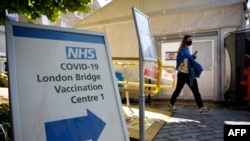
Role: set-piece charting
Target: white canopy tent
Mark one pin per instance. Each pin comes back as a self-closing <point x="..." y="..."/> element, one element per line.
<point x="210" y="20"/>
<point x="166" y="17"/>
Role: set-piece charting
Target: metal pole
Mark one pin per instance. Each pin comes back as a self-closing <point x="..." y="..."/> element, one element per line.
<point x="125" y="85"/>
<point x="141" y="99"/>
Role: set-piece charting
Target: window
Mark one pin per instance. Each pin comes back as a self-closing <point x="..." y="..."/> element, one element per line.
<point x="79" y="15"/>
<point x="13" y="17"/>
<point x="45" y="20"/>
<point x="64" y="24"/>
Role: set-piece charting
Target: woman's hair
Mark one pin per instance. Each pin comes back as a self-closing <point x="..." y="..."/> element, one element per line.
<point x="183" y="42"/>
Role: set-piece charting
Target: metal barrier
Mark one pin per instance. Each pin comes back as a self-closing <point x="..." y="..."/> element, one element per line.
<point x="156" y="86"/>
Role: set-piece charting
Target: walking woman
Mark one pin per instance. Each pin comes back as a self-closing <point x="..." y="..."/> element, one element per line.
<point x="188" y="71"/>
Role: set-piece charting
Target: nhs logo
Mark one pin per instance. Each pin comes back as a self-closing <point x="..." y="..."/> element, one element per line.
<point x="80" y="53"/>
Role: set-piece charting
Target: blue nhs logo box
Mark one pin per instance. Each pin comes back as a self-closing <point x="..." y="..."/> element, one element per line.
<point x="80" y="53"/>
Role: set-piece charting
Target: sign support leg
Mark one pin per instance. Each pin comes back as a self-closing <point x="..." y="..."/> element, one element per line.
<point x="141" y="100"/>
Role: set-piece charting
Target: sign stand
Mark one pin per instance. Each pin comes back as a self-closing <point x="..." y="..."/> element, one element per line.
<point x="141" y="100"/>
<point x="146" y="53"/>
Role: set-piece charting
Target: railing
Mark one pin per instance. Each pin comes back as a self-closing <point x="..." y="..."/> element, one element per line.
<point x="157" y="86"/>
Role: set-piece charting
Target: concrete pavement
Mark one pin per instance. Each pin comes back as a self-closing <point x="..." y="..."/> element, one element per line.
<point x="189" y="125"/>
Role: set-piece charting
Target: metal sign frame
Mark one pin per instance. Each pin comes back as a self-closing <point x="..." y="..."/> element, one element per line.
<point x="144" y="34"/>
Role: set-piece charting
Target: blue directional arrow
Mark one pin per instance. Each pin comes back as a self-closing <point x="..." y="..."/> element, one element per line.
<point x="75" y="129"/>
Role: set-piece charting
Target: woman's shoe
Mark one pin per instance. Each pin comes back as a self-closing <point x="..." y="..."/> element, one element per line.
<point x="171" y="108"/>
<point x="205" y="109"/>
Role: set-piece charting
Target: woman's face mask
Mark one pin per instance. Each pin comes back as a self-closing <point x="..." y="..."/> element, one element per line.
<point x="189" y="43"/>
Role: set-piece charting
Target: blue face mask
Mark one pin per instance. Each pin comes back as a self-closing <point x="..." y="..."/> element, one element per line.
<point x="189" y="43"/>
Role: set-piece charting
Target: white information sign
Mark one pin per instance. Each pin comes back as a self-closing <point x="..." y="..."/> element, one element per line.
<point x="62" y="85"/>
<point x="144" y="34"/>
